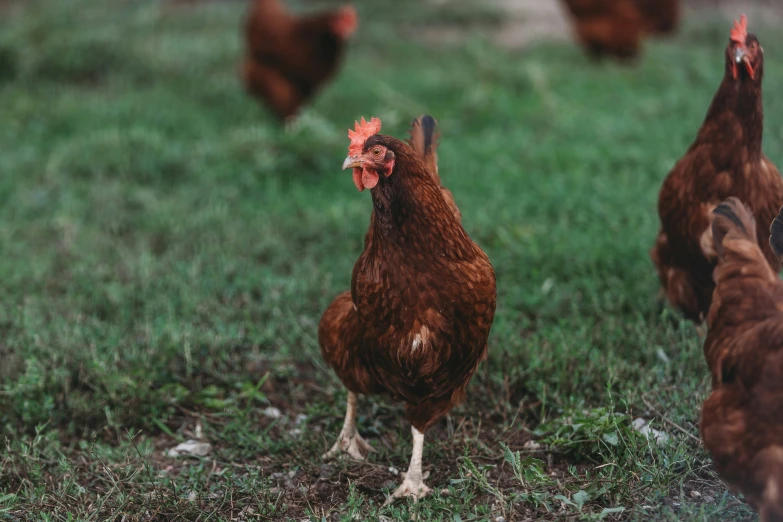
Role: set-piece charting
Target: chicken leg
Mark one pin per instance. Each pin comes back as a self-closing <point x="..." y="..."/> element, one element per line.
<point x="349" y="441"/>
<point x="413" y="484"/>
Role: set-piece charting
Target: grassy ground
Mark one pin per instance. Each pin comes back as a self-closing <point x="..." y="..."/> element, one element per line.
<point x="167" y="252"/>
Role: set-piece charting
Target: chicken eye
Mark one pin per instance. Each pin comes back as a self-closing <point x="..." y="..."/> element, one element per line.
<point x="376" y="151"/>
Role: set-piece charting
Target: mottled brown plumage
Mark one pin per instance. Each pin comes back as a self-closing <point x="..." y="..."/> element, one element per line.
<point x="725" y="160"/>
<point x="416" y="321"/>
<point x="617" y="27"/>
<point x="423" y="139"/>
<point x="742" y="420"/>
<point x="288" y="58"/>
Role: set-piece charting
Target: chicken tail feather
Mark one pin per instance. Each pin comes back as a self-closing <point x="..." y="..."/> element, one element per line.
<point x="424" y="140"/>
<point x="732" y="216"/>
<point x="776" y="235"/>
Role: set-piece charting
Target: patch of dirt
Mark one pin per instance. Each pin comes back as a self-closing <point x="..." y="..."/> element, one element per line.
<point x="300" y="479"/>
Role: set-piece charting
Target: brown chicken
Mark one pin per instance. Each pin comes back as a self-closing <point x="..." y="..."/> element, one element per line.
<point x="725" y="160"/>
<point x="416" y="320"/>
<point x="617" y="27"/>
<point x="288" y="58"/>
<point x="742" y="420"/>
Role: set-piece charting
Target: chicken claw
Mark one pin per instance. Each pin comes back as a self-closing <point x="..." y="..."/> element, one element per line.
<point x="413" y="481"/>
<point x="349" y="441"/>
<point x="354" y="445"/>
<point x="409" y="488"/>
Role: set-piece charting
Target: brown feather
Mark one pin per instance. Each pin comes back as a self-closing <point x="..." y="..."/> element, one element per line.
<point x="424" y="136"/>
<point x="424" y="140"/>
<point x="741" y="422"/>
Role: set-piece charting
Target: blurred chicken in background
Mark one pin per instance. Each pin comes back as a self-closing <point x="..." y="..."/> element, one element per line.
<point x="288" y="57"/>
<point x="616" y="27"/>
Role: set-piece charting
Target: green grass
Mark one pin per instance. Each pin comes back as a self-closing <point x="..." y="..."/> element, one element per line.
<point x="166" y="252"/>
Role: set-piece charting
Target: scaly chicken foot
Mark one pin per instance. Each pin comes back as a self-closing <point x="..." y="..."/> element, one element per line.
<point x="349" y="441"/>
<point x="413" y="483"/>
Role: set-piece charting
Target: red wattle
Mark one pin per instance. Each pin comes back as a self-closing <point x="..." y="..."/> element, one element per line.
<point x="369" y="178"/>
<point x="357" y="178"/>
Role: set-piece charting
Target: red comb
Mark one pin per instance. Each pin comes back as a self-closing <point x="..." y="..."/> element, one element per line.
<point x="363" y="131"/>
<point x="345" y="22"/>
<point x="739" y="32"/>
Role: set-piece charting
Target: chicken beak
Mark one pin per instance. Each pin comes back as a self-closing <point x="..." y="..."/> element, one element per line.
<point x="352" y="162"/>
<point x="741" y="56"/>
